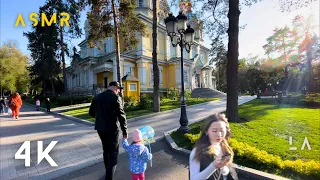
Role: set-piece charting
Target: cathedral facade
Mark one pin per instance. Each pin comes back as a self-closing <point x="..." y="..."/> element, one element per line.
<point x="96" y="68"/>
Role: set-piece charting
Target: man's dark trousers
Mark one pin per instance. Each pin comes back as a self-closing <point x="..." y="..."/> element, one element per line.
<point x="110" y="145"/>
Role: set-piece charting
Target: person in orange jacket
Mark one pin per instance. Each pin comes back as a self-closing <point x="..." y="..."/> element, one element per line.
<point x="15" y="104"/>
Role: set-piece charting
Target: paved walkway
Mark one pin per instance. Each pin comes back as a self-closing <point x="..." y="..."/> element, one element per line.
<point x="166" y="164"/>
<point x="79" y="145"/>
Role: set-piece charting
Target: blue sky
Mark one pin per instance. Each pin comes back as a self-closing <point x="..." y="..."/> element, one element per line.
<point x="260" y="20"/>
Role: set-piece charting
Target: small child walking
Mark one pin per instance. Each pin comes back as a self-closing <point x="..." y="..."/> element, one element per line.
<point x="38" y="104"/>
<point x="138" y="155"/>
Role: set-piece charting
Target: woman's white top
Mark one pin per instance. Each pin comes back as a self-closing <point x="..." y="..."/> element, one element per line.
<point x="195" y="173"/>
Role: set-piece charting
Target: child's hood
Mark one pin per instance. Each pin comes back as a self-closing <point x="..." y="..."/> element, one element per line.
<point x="136" y="150"/>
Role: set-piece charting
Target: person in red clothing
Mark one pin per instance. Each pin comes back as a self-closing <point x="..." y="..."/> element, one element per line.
<point x="15" y="104"/>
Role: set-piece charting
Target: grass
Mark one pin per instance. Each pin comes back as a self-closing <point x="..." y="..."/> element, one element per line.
<point x="82" y="113"/>
<point x="168" y="104"/>
<point x="267" y="126"/>
<point x="165" y="105"/>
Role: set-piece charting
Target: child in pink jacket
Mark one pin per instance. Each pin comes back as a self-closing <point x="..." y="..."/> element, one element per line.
<point x="38" y="104"/>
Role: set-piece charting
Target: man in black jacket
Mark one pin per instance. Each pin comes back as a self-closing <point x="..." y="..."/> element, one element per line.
<point x="107" y="108"/>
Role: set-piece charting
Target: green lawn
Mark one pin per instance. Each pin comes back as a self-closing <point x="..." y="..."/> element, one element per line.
<point x="166" y="105"/>
<point x="267" y="126"/>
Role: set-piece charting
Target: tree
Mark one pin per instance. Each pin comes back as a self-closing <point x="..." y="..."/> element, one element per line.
<point x="283" y="44"/>
<point x="72" y="8"/>
<point x="216" y="25"/>
<point x="160" y="9"/>
<point x="218" y="56"/>
<point x="156" y="95"/>
<point x="108" y="18"/>
<point x="13" y="68"/>
<point x="43" y="44"/>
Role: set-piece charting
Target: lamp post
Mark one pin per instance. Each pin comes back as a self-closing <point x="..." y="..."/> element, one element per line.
<point x="177" y="28"/>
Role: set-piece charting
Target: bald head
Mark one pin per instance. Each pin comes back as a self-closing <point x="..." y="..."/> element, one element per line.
<point x="115" y="89"/>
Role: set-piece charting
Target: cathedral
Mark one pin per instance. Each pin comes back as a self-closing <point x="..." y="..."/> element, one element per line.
<point x="96" y="68"/>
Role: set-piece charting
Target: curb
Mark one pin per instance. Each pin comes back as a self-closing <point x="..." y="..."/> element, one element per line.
<point x="248" y="172"/>
<point x="172" y="110"/>
<point x="65" y="116"/>
<point x="68" y="169"/>
<point x="128" y="120"/>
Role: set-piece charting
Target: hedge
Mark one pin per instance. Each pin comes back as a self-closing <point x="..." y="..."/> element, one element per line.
<point x="69" y="100"/>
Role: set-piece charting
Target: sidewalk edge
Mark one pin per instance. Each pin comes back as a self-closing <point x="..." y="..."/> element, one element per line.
<point x="252" y="173"/>
<point x="128" y="120"/>
<point x="66" y="116"/>
<point x="69" y="169"/>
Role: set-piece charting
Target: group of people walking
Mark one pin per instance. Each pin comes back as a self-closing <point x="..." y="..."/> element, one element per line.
<point x="210" y="158"/>
<point x="13" y="104"/>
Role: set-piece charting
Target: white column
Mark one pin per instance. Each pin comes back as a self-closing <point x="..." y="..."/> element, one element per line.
<point x="139" y="47"/>
<point x="178" y="74"/>
<point x="167" y="46"/>
<point x="142" y="73"/>
<point x="201" y="78"/>
<point x="94" y="77"/>
<point x="121" y="68"/>
<point x="190" y="78"/>
<point x="210" y="78"/>
<point x="90" y="77"/>
<point x="114" y="69"/>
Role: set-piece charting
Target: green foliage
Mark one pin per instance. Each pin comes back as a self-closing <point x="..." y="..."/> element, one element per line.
<point x="102" y="23"/>
<point x="264" y="131"/>
<point x="13" y="68"/>
<point x="146" y="101"/>
<point x="304" y="168"/>
<point x="193" y="138"/>
<point x="187" y="94"/>
<point x="130" y="102"/>
<point x="173" y="94"/>
<point x="70" y="100"/>
<point x="43" y="44"/>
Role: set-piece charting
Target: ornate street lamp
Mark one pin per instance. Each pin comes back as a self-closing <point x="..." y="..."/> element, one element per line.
<point x="184" y="36"/>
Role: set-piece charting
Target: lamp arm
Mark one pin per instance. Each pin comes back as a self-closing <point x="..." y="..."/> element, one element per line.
<point x="178" y="39"/>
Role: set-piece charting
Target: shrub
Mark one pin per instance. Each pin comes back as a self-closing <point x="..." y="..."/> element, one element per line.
<point x="187" y="94"/>
<point x="70" y="100"/>
<point x="173" y="93"/>
<point x="146" y="101"/>
<point x="129" y="102"/>
<point x="193" y="137"/>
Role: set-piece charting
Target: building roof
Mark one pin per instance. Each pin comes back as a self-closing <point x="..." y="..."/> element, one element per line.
<point x="129" y="78"/>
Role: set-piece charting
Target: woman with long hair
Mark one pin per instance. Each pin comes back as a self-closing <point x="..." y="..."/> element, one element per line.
<point x="15" y="104"/>
<point x="212" y="154"/>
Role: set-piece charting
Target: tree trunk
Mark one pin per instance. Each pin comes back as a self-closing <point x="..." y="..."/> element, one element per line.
<point x="65" y="86"/>
<point x="52" y="86"/>
<point x="156" y="96"/>
<point x="116" y="37"/>
<point x="232" y="63"/>
<point x="310" y="86"/>
<point x="44" y="88"/>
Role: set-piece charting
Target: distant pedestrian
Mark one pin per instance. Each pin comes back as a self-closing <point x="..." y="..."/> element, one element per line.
<point x="2" y="106"/>
<point x="138" y="155"/>
<point x="107" y="108"/>
<point x="48" y="105"/>
<point x="212" y="154"/>
<point x="15" y="103"/>
<point x="38" y="104"/>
